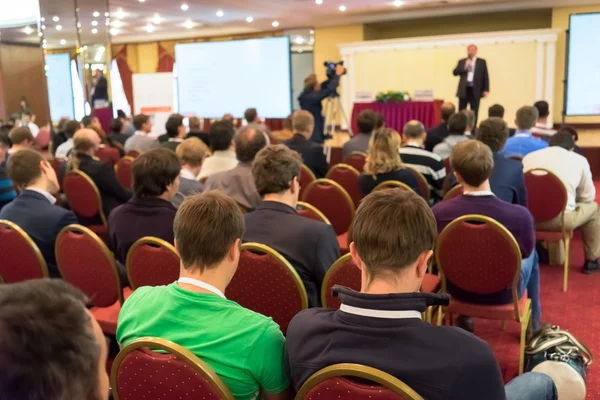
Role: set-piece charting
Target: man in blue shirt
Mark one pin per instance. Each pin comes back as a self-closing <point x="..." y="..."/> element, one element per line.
<point x="523" y="143"/>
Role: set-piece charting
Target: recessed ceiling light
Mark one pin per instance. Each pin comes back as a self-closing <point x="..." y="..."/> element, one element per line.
<point x="249" y="19"/>
<point x="312" y="32"/>
<point x="27" y="30"/>
<point x="42" y="19"/>
<point x="96" y="14"/>
<point x="114" y="31"/>
<point x="142" y="1"/>
<point x="107" y="22"/>
<point x="220" y="13"/>
<point x="40" y="34"/>
<point x="94" y="23"/>
<point x="120" y="13"/>
<point x="299" y="40"/>
<point x="156" y="19"/>
<point x="398" y="3"/>
<point x="117" y="23"/>
<point x="63" y="42"/>
<point x="319" y="2"/>
<point x="107" y="14"/>
<point x="150" y="28"/>
<point x="59" y="27"/>
<point x="44" y="41"/>
<point x="43" y="27"/>
<point x="44" y="46"/>
<point x="55" y="18"/>
<point x="342" y="8"/>
<point x="189" y="24"/>
<point x="275" y="24"/>
<point x="94" y="31"/>
<point x="184" y="7"/>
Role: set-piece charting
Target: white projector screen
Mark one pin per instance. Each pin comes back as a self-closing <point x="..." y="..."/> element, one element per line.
<point x="583" y="79"/>
<point x="216" y="78"/>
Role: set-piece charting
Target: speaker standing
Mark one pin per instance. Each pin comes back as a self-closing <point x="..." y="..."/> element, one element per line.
<point x="474" y="81"/>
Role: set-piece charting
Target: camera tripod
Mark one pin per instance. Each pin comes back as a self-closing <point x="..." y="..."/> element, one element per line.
<point x="333" y="106"/>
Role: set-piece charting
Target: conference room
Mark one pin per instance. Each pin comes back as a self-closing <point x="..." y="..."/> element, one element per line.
<point x="387" y="199"/>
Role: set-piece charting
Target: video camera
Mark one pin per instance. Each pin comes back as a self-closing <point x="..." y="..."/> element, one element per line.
<point x="331" y="68"/>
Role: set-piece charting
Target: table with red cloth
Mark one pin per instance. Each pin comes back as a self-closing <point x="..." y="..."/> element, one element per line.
<point x="398" y="114"/>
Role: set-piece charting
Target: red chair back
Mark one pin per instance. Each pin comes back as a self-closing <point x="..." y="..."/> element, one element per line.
<point x="456" y="191"/>
<point x="347" y="177"/>
<point x="357" y="159"/>
<point x="132" y="153"/>
<point x="306" y="178"/>
<point x="421" y="181"/>
<point x="546" y="195"/>
<point x="124" y="171"/>
<point x="43" y="138"/>
<point x="333" y="201"/>
<point x="266" y="283"/>
<point x="21" y="259"/>
<point x="57" y="166"/>
<point x="392" y="185"/>
<point x="343" y="272"/>
<point x="138" y="373"/>
<point x="83" y="195"/>
<point x="447" y="165"/>
<point x="85" y="262"/>
<point x="108" y="155"/>
<point x="152" y="262"/>
<point x="307" y="211"/>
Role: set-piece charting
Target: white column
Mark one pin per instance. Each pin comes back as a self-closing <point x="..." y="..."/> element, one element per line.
<point x="539" y="73"/>
<point x="347" y="83"/>
<point x="550" y="72"/>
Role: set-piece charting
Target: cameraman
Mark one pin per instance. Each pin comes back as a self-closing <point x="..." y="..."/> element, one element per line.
<point x="312" y="97"/>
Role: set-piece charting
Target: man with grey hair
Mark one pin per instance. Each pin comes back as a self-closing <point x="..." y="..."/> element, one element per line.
<point x="523" y="143"/>
<point x="238" y="183"/>
<point x="429" y="164"/>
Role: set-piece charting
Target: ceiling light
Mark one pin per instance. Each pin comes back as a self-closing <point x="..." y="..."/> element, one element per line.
<point x="120" y="13"/>
<point x="113" y="31"/>
<point x="220" y="13"/>
<point x="59" y="27"/>
<point x="142" y="1"/>
<point x="189" y="24"/>
<point x="156" y="19"/>
<point x="27" y="30"/>
<point x="96" y="14"/>
<point x="94" y="31"/>
<point x="299" y="40"/>
<point x="40" y="34"/>
<point x="184" y="7"/>
<point x="44" y="46"/>
<point x="275" y="24"/>
<point x="43" y="27"/>
<point x="42" y="19"/>
<point x="342" y="8"/>
<point x="117" y="24"/>
<point x="55" y="18"/>
<point x="107" y="22"/>
<point x="249" y="19"/>
<point x="63" y="42"/>
<point x="319" y="2"/>
<point x="149" y="28"/>
<point x="44" y="41"/>
<point x="312" y="32"/>
<point x="107" y="14"/>
<point x="398" y="3"/>
<point x="94" y="23"/>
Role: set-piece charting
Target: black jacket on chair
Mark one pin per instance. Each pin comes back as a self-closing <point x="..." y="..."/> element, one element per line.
<point x="481" y="80"/>
<point x="436" y="135"/>
<point x="312" y="154"/>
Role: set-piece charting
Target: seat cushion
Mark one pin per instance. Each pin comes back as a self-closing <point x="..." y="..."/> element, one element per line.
<point x="431" y="283"/>
<point x="107" y="317"/>
<point x="485" y="311"/>
<point x="548" y="235"/>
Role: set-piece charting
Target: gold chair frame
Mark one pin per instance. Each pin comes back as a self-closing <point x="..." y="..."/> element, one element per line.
<point x="343" y="166"/>
<point x="392" y="185"/>
<point x="308" y="171"/>
<point x="315" y="210"/>
<point x="93" y="185"/>
<point x="422" y="180"/>
<point x="450" y="193"/>
<point x="120" y="163"/>
<point x="34" y="248"/>
<point x="146" y="240"/>
<point x="339" y="187"/>
<point x="332" y="270"/>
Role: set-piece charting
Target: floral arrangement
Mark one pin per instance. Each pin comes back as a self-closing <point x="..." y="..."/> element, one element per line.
<point x="392" y="97"/>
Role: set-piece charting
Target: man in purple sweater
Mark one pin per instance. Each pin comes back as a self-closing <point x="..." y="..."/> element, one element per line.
<point x="472" y="162"/>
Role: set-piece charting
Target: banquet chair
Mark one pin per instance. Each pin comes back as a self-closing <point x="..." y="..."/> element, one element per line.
<point x="133" y="154"/>
<point x="479" y="255"/>
<point x="152" y="262"/>
<point x="332" y="383"/>
<point x="124" y="172"/>
<point x="57" y="166"/>
<point x="108" y="155"/>
<point x="447" y="165"/>
<point x="20" y="258"/>
<point x="266" y="283"/>
<point x="421" y="181"/>
<point x="306" y="178"/>
<point x="547" y="200"/>
<point x="306" y="210"/>
<point x="357" y="159"/>
<point x="85" y="261"/>
<point x="139" y="373"/>
<point x="392" y="185"/>
<point x="85" y="201"/>
<point x="456" y="191"/>
<point x="347" y="177"/>
<point x="43" y="138"/>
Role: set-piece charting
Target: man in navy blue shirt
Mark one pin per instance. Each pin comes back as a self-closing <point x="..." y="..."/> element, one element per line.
<point x="523" y="142"/>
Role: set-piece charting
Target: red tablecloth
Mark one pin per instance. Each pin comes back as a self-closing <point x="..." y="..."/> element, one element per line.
<point x="398" y="114"/>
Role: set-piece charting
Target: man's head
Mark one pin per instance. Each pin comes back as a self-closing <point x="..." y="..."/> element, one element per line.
<point x="457" y="124"/>
<point x="470" y="119"/>
<point x="143" y="123"/>
<point x="472" y="51"/>
<point x="220" y="135"/>
<point x="379" y="121"/>
<point x="86" y="141"/>
<point x="228" y="117"/>
<point x="71" y="127"/>
<point x="28" y="168"/>
<point x="472" y="162"/>
<point x="543" y="109"/>
<point x="90" y="121"/>
<point x="22" y="137"/>
<point x="563" y="139"/>
<point x="175" y="127"/>
<point x="276" y="170"/>
<point x="493" y="132"/>
<point x="51" y="347"/>
<point x="251" y="115"/>
<point x="366" y="121"/>
<point x="496" y="111"/>
<point x="156" y="174"/>
<point x="248" y="142"/>
<point x="208" y="231"/>
<point x="527" y="116"/>
<point x="27" y="116"/>
<point x="448" y="109"/>
<point x="394" y="233"/>
<point x="121" y="115"/>
<point x="312" y="83"/>
<point x="304" y="123"/>
<point x="191" y="153"/>
<point x="195" y="124"/>
<point x="414" y="131"/>
<point x="116" y="125"/>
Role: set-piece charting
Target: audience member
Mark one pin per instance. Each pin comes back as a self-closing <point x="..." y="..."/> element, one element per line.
<point x="523" y="143"/>
<point x="573" y="132"/>
<point x="379" y="121"/>
<point x="69" y="130"/>
<point x="128" y="129"/>
<point x="238" y="182"/>
<point x="91" y="122"/>
<point x="286" y="133"/>
<point x="191" y="153"/>
<point x="310" y="246"/>
<point x="436" y="135"/>
<point x="457" y="127"/>
<point x="34" y="210"/>
<point x="196" y="130"/>
<point x="176" y="132"/>
<point x="28" y="120"/>
<point x="473" y="162"/>
<point x="58" y="137"/>
<point x="429" y="164"/>
<point x="21" y="139"/>
<point x="384" y="163"/>
<point x="471" y="119"/>
<point x="5" y="140"/>
<point x="542" y="127"/>
<point x="252" y="118"/>
<point x="228" y="117"/>
<point x="360" y="141"/>
<point x="507" y="181"/>
<point x="149" y="212"/>
<point x="140" y="141"/>
<point x="244" y="348"/>
<point x="51" y="346"/>
<point x="582" y="209"/>
<point x="303" y="124"/>
<point x="117" y="132"/>
<point x="394" y="233"/>
<point x="7" y="190"/>
<point x="497" y="111"/>
<point x="223" y="156"/>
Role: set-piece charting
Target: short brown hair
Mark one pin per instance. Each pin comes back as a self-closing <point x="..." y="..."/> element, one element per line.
<point x="366" y="121"/>
<point x="391" y="229"/>
<point x="191" y="152"/>
<point x="473" y="161"/>
<point x="310" y="81"/>
<point x="527" y="117"/>
<point x="250" y="115"/>
<point x="24" y="167"/>
<point x="205" y="227"/>
<point x="20" y="135"/>
<point x="195" y="123"/>
<point x="274" y="168"/>
<point x="493" y="132"/>
<point x="139" y="121"/>
<point x="301" y="120"/>
<point x="71" y="127"/>
<point x="153" y="171"/>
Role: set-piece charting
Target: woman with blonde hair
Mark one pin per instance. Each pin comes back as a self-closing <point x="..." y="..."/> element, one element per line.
<point x="384" y="163"/>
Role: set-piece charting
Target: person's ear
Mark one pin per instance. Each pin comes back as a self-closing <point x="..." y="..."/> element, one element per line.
<point x="234" y="251"/>
<point x="294" y="184"/>
<point x="423" y="263"/>
<point x="355" y="257"/>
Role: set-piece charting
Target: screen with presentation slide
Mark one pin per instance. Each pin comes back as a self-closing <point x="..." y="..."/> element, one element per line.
<point x="583" y="80"/>
<point x="60" y="89"/>
<point x="216" y="78"/>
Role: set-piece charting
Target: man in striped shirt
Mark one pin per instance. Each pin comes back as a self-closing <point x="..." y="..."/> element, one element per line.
<point x="429" y="164"/>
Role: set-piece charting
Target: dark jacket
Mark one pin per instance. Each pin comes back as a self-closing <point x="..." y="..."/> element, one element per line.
<point x="200" y="135"/>
<point x="171" y="145"/>
<point x="118" y="138"/>
<point x="310" y="246"/>
<point x="507" y="180"/>
<point x="312" y="154"/>
<point x="312" y="101"/>
<point x="41" y="220"/>
<point x="367" y="183"/>
<point x="481" y="80"/>
<point x="139" y="217"/>
<point x="436" y="135"/>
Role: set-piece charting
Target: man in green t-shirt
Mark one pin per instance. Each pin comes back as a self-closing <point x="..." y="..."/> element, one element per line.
<point x="244" y="348"/>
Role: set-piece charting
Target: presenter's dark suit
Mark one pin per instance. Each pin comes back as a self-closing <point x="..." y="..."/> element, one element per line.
<point x="436" y="135"/>
<point x="312" y="154"/>
<point x="41" y="220"/>
<point x="312" y="101"/>
<point x="472" y="93"/>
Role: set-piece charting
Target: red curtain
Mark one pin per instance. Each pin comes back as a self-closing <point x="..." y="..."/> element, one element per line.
<point x="165" y="60"/>
<point x="126" y="74"/>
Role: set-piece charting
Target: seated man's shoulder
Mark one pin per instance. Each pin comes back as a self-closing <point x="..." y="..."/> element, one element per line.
<point x="143" y="295"/>
<point x="308" y="321"/>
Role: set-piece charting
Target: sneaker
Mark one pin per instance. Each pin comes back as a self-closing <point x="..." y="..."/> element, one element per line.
<point x="590" y="267"/>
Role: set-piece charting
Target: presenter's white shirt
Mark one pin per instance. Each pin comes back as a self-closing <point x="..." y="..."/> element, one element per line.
<point x="33" y="128"/>
<point x="471" y="74"/>
<point x="220" y="161"/>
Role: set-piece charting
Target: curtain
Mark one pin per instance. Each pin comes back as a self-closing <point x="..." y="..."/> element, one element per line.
<point x="120" y="57"/>
<point x="165" y="59"/>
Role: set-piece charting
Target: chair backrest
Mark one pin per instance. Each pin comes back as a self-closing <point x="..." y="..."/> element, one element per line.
<point x="124" y="171"/>
<point x="139" y="373"/>
<point x="20" y="258"/>
<point x="306" y="178"/>
<point x="447" y="165"/>
<point x="479" y="255"/>
<point x="85" y="262"/>
<point x="357" y="159"/>
<point x="347" y="176"/>
<point x="343" y="272"/>
<point x="333" y="383"/>
<point x="43" y="138"/>
<point x="152" y="262"/>
<point x="266" y="283"/>
<point x="132" y="153"/>
<point x="56" y="164"/>
<point x="392" y="185"/>
<point x="333" y="201"/>
<point x="421" y="181"/>
<point x="83" y="195"/>
<point x="308" y="211"/>
<point x="454" y="192"/>
<point x="546" y="195"/>
<point x="108" y="155"/>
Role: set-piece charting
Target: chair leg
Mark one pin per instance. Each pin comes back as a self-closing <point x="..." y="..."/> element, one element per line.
<point x="439" y="316"/>
<point x="525" y="323"/>
<point x="567" y="241"/>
